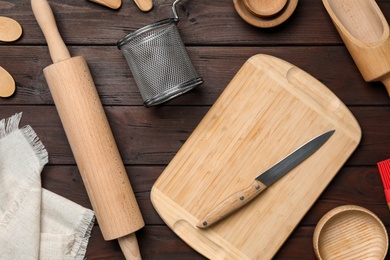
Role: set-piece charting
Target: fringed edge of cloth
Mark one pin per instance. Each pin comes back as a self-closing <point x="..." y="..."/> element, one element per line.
<point x="11" y="124"/>
<point x="83" y="233"/>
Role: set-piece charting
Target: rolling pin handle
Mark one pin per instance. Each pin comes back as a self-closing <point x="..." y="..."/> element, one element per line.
<point x="129" y="246"/>
<point x="45" y="18"/>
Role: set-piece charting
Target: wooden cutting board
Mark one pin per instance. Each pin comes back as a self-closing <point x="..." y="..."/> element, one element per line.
<point x="269" y="109"/>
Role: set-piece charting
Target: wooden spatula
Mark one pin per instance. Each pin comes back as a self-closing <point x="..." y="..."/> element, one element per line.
<point x="365" y="32"/>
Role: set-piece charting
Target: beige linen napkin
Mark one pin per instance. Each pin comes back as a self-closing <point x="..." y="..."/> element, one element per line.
<point x="34" y="222"/>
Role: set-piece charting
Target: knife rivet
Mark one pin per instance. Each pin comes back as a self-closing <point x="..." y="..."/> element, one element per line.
<point x="257" y="187"/>
<point x="205" y="223"/>
<point x="242" y="198"/>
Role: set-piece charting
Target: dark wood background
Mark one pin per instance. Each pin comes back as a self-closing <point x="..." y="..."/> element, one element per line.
<point x="219" y="42"/>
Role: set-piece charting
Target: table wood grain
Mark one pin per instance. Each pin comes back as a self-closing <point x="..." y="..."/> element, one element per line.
<point x="218" y="42"/>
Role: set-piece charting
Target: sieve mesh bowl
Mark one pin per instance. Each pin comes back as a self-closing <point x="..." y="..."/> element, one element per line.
<point x="159" y="62"/>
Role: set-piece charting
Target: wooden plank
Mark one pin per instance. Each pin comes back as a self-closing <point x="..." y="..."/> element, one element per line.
<point x="170" y="247"/>
<point x="370" y="196"/>
<point x="201" y="23"/>
<point x="359" y="185"/>
<point x="168" y="244"/>
<point x="217" y="66"/>
<point x="199" y="20"/>
<point x="165" y="245"/>
<point x="154" y="136"/>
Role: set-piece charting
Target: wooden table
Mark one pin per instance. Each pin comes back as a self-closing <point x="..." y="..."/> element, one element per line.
<point x="218" y="42"/>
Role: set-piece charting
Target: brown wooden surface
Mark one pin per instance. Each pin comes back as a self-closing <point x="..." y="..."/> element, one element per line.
<point x="219" y="42"/>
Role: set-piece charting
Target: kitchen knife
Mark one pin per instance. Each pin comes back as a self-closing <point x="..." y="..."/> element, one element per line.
<point x="264" y="180"/>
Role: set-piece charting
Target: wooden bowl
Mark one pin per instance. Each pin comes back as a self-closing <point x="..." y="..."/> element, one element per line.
<point x="350" y="232"/>
<point x="265" y="13"/>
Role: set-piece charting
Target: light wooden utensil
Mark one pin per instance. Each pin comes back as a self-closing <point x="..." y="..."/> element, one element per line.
<point x="10" y="30"/>
<point x="90" y="137"/>
<point x="113" y="4"/>
<point x="144" y="5"/>
<point x="365" y="32"/>
<point x="350" y="232"/>
<point x="265" y="13"/>
<point x="7" y="83"/>
<point x="268" y="110"/>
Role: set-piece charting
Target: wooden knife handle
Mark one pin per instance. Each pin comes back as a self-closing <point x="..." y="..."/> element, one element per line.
<point x="45" y="18"/>
<point x="231" y="204"/>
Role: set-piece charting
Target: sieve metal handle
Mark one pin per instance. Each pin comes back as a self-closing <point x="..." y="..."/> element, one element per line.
<point x="175" y="16"/>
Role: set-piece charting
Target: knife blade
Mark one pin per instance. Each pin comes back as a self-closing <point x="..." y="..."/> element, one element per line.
<point x="264" y="180"/>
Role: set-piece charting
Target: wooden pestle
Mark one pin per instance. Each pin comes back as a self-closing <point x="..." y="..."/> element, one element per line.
<point x="90" y="138"/>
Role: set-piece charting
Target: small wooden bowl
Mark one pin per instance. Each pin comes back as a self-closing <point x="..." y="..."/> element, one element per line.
<point x="350" y="232"/>
<point x="260" y="14"/>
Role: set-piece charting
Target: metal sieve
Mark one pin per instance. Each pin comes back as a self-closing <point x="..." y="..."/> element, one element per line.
<point x="159" y="61"/>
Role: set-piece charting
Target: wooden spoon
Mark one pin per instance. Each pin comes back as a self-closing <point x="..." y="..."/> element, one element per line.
<point x="113" y="4"/>
<point x="10" y="30"/>
<point x="144" y="5"/>
<point x="7" y="83"/>
<point x="365" y="32"/>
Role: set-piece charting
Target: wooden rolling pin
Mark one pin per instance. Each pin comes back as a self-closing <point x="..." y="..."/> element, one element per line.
<point x="90" y="138"/>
